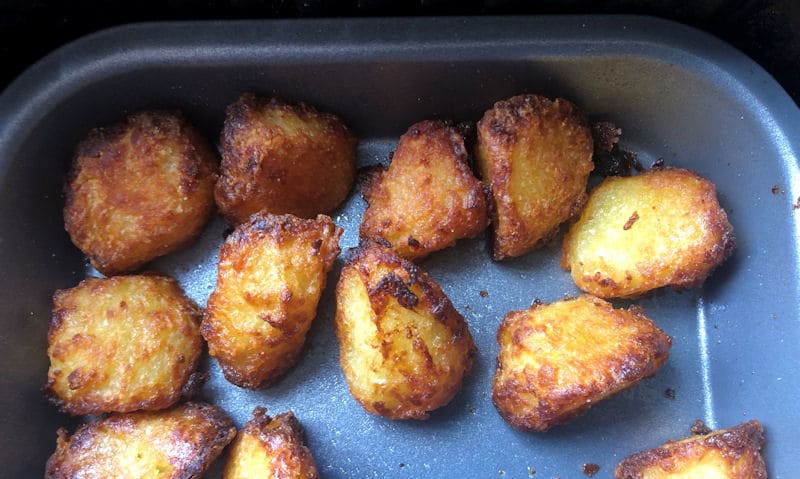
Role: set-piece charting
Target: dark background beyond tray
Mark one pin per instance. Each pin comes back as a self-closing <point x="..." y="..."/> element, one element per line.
<point x="766" y="30"/>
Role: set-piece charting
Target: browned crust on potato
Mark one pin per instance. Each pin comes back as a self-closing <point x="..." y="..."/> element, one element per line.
<point x="138" y="190"/>
<point x="689" y="265"/>
<point x="179" y="443"/>
<point x="280" y="452"/>
<point x="271" y="273"/>
<point x="738" y="448"/>
<point x="557" y="360"/>
<point x="428" y="198"/>
<point x="535" y="154"/>
<point x="404" y="348"/>
<point x="283" y="158"/>
<point x="121" y="344"/>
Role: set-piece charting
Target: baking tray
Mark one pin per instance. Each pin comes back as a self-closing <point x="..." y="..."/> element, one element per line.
<point x="677" y="93"/>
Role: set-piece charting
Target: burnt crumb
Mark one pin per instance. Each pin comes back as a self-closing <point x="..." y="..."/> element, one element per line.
<point x="609" y="159"/>
<point x="531" y="471"/>
<point x="484" y="293"/>
<point x="659" y="164"/>
<point x="776" y="189"/>
<point x="605" y="135"/>
<point x="669" y="393"/>
<point x="699" y="428"/>
<point x="631" y="221"/>
<point x="537" y="302"/>
<point x="590" y="469"/>
<point x="402" y="465"/>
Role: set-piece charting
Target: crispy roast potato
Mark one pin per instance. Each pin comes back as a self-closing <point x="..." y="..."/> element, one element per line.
<point x="139" y="190"/>
<point x="557" y="360"/>
<point x="733" y="453"/>
<point x="403" y="347"/>
<point x="535" y="154"/>
<point x="283" y="159"/>
<point x="271" y="273"/>
<point x="270" y="447"/>
<point x="121" y="344"/>
<point x="178" y="443"/>
<point x="661" y="228"/>
<point x="428" y="198"/>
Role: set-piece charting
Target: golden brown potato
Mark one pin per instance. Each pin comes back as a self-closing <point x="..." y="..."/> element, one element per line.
<point x="535" y="154"/>
<point x="403" y="347"/>
<point x="557" y="360"/>
<point x="733" y="453"/>
<point x="121" y="344"/>
<point x="179" y="443"/>
<point x="428" y="198"/>
<point x="283" y="159"/>
<point x="270" y="448"/>
<point x="271" y="273"/>
<point x="138" y="190"/>
<point x="660" y="228"/>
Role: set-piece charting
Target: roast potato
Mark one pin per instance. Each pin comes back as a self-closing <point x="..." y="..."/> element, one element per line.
<point x="733" y="453"/>
<point x="121" y="344"/>
<point x="403" y="347"/>
<point x="536" y="155"/>
<point x="138" y="190"/>
<point x="557" y="360"/>
<point x="283" y="159"/>
<point x="271" y="273"/>
<point x="179" y="443"/>
<point x="270" y="448"/>
<point x="428" y="197"/>
<point x="660" y="228"/>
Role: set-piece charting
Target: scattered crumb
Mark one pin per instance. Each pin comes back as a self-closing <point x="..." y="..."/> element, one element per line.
<point x="776" y="189"/>
<point x="609" y="158"/>
<point x="537" y="302"/>
<point x="484" y="293"/>
<point x="699" y="428"/>
<point x="605" y="135"/>
<point x="467" y="308"/>
<point x="501" y="472"/>
<point x="631" y="221"/>
<point x="531" y="471"/>
<point x="669" y="393"/>
<point x="659" y="164"/>
<point x="402" y="465"/>
<point x="796" y="205"/>
<point x="590" y="469"/>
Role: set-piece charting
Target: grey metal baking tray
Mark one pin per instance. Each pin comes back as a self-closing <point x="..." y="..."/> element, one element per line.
<point x="678" y="94"/>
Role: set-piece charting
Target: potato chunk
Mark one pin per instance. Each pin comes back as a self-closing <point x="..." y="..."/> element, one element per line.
<point x="557" y="360"/>
<point x="271" y="273"/>
<point x="403" y="347"/>
<point x="179" y="443"/>
<point x="270" y="447"/>
<point x="428" y="198"/>
<point x="733" y="453"/>
<point x="535" y="154"/>
<point x="283" y="159"/>
<point x="660" y="228"/>
<point x="138" y="190"/>
<point x="121" y="344"/>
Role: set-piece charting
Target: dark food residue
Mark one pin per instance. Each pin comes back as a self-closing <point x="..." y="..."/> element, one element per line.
<point x="484" y="294"/>
<point x="669" y="393"/>
<point x="609" y="159"/>
<point x="590" y="469"/>
<point x="699" y="428"/>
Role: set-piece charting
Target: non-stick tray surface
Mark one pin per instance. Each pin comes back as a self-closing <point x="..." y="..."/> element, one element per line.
<point x="678" y="94"/>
